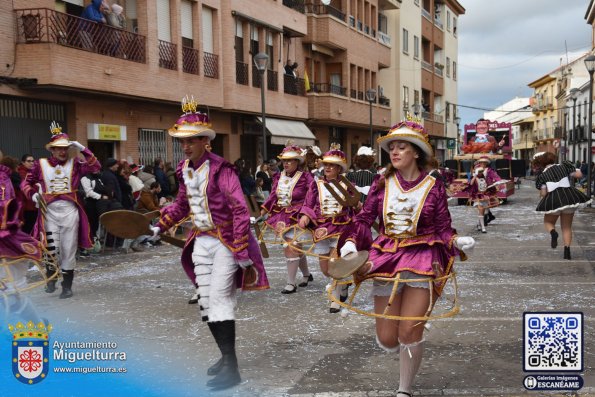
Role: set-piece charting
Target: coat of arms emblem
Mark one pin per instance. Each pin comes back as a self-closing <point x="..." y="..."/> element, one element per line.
<point x="30" y="351"/>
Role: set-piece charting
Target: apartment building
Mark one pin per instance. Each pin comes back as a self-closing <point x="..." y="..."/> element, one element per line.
<point x="552" y="108"/>
<point x="422" y="78"/>
<point x="118" y="90"/>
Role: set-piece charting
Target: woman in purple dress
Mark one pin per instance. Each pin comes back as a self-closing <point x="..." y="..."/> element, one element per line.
<point x="416" y="242"/>
<point x="283" y="206"/>
<point x="326" y="217"/>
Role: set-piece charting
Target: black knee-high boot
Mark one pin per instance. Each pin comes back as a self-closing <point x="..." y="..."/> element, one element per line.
<point x="228" y="374"/>
<point x="68" y="276"/>
<point x="50" y="271"/>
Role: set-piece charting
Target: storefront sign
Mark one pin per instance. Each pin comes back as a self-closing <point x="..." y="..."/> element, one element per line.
<point x="106" y="132"/>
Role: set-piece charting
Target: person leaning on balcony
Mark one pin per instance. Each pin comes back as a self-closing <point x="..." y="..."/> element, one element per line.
<point x="93" y="12"/>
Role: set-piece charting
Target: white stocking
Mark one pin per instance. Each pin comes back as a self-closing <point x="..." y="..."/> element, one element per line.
<point x="409" y="361"/>
<point x="292" y="268"/>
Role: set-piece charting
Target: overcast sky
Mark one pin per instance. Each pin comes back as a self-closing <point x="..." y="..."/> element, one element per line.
<point x="506" y="44"/>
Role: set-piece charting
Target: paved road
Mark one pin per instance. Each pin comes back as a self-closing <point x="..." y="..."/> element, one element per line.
<point x="292" y="345"/>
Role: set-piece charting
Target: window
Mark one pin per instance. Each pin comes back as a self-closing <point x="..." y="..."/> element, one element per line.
<point x="447" y="111"/>
<point x="152" y="144"/>
<point x="269" y="50"/>
<point x="405" y="41"/>
<point x="454" y="26"/>
<point x="163" y="21"/>
<point x="415" y="47"/>
<point x="405" y="97"/>
<point x="253" y="40"/>
<point x="239" y="41"/>
<point x="448" y="25"/>
<point x="454" y="70"/>
<point x="415" y="97"/>
<point x="382" y="23"/>
<point x="207" y="30"/>
<point x="447" y="67"/>
<point x="186" y="23"/>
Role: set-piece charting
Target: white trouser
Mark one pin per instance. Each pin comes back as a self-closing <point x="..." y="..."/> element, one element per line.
<point x="62" y="229"/>
<point x="215" y="269"/>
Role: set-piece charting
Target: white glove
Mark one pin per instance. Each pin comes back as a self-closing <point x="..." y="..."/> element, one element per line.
<point x="465" y="244"/>
<point x="348" y="248"/>
<point x="155" y="231"/>
<point x="35" y="198"/>
<point x="245" y="264"/>
<point x="77" y="145"/>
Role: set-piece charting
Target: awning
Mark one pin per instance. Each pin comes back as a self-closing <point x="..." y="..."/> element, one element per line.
<point x="282" y="130"/>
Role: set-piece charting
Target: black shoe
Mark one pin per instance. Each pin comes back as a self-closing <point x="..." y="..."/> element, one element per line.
<point x="306" y="281"/>
<point x="228" y="375"/>
<point x="486" y="219"/>
<point x="491" y="217"/>
<point x="344" y="293"/>
<point x="334" y="309"/>
<point x="194" y="299"/>
<point x="50" y="286"/>
<point x="66" y="293"/>
<point x="215" y="368"/>
<point x="554" y="235"/>
<point x="293" y="289"/>
<point x="567" y="253"/>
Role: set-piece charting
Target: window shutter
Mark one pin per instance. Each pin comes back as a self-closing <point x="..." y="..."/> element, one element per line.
<point x="163" y="22"/>
<point x="186" y="11"/>
<point x="207" y="30"/>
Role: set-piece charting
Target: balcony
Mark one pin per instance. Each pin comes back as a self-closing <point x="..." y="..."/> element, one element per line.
<point x="43" y="25"/>
<point x="241" y="73"/>
<point x="190" y="60"/>
<point x="321" y="9"/>
<point x="211" y="62"/>
<point x="298" y="5"/>
<point x="168" y="58"/>
<point x="294" y="85"/>
<point x="272" y="80"/>
<point x="326" y="88"/>
<point x="256" y="77"/>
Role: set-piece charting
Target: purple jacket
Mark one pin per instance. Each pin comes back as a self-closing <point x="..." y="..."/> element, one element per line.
<point x="229" y="213"/>
<point x="14" y="244"/>
<point x="323" y="226"/>
<point x="80" y="169"/>
<point x="287" y="215"/>
<point x="430" y="252"/>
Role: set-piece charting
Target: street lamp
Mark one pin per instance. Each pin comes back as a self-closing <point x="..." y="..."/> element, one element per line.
<point x="574" y="96"/>
<point x="261" y="61"/>
<point x="590" y="64"/>
<point x="371" y="97"/>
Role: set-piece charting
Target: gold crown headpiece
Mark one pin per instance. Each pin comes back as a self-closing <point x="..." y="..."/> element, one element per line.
<point x="415" y="119"/>
<point x="335" y="146"/>
<point x="30" y="330"/>
<point x="55" y="128"/>
<point x="189" y="105"/>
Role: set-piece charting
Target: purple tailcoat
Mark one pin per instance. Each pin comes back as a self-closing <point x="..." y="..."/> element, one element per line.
<point x="491" y="177"/>
<point x="14" y="243"/>
<point x="430" y="253"/>
<point x="287" y="216"/>
<point x="323" y="227"/>
<point x="79" y="169"/>
<point x="229" y="213"/>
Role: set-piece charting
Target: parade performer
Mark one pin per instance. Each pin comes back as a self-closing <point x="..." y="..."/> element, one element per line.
<point x="483" y="189"/>
<point x="483" y="142"/>
<point x="220" y="253"/>
<point x="282" y="208"/>
<point x="364" y="174"/>
<point x="326" y="217"/>
<point x="416" y="241"/>
<point x="312" y="156"/>
<point x="559" y="199"/>
<point x="62" y="224"/>
<point x="18" y="250"/>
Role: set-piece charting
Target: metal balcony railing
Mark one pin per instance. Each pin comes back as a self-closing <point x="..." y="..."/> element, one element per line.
<point x="321" y="9"/>
<point x="190" y="60"/>
<point x="294" y="85"/>
<point x="326" y="88"/>
<point x="256" y="77"/>
<point x="168" y="58"/>
<point x="241" y="73"/>
<point x="43" y="25"/>
<point x="272" y="80"/>
<point x="384" y="101"/>
<point x="427" y="66"/>
<point x="297" y="5"/>
<point x="211" y="62"/>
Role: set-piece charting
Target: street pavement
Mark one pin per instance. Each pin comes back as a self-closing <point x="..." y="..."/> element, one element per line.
<point x="291" y="344"/>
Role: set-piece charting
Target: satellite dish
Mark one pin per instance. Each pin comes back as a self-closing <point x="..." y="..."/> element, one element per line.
<point x="326" y="2"/>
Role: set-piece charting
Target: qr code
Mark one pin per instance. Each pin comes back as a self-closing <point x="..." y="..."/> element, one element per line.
<point x="553" y="341"/>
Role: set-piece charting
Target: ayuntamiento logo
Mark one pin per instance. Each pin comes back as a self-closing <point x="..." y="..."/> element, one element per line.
<point x="30" y="351"/>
